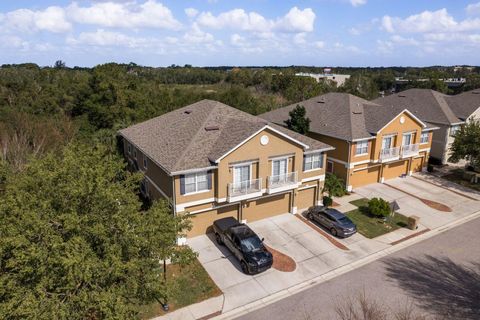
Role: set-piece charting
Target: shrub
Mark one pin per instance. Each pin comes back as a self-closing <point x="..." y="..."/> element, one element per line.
<point x="334" y="186"/>
<point x="379" y="207"/>
<point x="327" y="201"/>
<point x="430" y="168"/>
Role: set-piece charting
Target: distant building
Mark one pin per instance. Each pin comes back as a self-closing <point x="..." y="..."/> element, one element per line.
<point x="327" y="74"/>
<point x="450" y="82"/>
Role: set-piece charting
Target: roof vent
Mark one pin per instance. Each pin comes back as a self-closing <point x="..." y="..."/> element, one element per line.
<point x="187" y="111"/>
<point x="402" y="95"/>
<point x="211" y="128"/>
<point x="476" y="92"/>
<point x="321" y="101"/>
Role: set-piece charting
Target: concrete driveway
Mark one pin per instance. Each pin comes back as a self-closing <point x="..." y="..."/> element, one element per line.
<point x="313" y="253"/>
<point x="461" y="205"/>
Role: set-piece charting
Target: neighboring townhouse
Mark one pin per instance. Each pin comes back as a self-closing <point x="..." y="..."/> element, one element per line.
<point x="214" y="161"/>
<point x="440" y="110"/>
<point x="372" y="143"/>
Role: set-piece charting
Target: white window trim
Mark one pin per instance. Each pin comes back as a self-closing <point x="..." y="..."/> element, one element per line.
<point x="392" y="142"/>
<point x="356" y="148"/>
<point x="196" y="184"/>
<point x="428" y="138"/>
<point x="242" y="165"/>
<point x="412" y="138"/>
<point x="279" y="159"/>
<point x="311" y="155"/>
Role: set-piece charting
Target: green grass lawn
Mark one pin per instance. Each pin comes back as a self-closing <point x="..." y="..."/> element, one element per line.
<point x="371" y="226"/>
<point x="456" y="175"/>
<point x="194" y="285"/>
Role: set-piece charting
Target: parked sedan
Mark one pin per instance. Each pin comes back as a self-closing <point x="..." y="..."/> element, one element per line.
<point x="335" y="221"/>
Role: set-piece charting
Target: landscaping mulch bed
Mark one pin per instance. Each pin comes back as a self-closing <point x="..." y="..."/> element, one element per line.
<point x="432" y="204"/>
<point x="323" y="233"/>
<point x="281" y="261"/>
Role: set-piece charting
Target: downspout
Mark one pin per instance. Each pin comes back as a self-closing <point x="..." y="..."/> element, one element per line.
<point x="348" y="166"/>
<point x="174" y="202"/>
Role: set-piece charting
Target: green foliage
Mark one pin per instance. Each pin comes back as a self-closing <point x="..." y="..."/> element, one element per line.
<point x="379" y="207"/>
<point x="467" y="144"/>
<point x="334" y="186"/>
<point x="298" y="120"/>
<point x="74" y="243"/>
<point x="327" y="201"/>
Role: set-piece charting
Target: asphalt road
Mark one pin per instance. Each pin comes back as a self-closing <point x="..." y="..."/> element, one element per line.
<point x="439" y="277"/>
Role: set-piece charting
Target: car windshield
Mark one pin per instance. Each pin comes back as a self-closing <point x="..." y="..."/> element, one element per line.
<point x="251" y="244"/>
<point x="344" y="220"/>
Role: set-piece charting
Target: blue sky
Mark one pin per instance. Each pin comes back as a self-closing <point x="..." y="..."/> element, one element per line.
<point x="250" y="32"/>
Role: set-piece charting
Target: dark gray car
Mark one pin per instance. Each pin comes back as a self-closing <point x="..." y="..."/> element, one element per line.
<point x="335" y="221"/>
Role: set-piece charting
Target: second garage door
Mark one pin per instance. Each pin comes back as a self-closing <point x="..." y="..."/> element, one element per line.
<point x="365" y="176"/>
<point x="417" y="164"/>
<point x="202" y="222"/>
<point x="394" y="170"/>
<point x="266" y="207"/>
<point x="306" y="198"/>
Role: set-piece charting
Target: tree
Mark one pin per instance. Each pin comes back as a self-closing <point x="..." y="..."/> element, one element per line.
<point x="75" y="244"/>
<point x="59" y="64"/>
<point x="467" y="144"/>
<point x="298" y="121"/>
<point x="379" y="207"/>
<point x="334" y="186"/>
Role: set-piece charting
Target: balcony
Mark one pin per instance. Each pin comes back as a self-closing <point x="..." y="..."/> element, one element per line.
<point x="389" y="154"/>
<point x="244" y="190"/>
<point x="410" y="150"/>
<point x="282" y="182"/>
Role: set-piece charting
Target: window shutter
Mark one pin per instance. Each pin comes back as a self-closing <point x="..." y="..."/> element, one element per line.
<point x="209" y="179"/>
<point x="182" y="184"/>
<point x="304" y="158"/>
<point x="322" y="158"/>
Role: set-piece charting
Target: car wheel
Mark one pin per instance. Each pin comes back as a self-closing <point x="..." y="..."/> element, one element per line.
<point x="333" y="231"/>
<point x="244" y="267"/>
<point x="219" y="239"/>
<point x="309" y="216"/>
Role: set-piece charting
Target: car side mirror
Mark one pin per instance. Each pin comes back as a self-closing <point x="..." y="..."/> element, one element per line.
<point x="263" y="239"/>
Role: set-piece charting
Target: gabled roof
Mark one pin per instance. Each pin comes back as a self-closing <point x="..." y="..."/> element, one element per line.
<point x="340" y="115"/>
<point x="428" y="105"/>
<point x="197" y="135"/>
<point x="465" y="104"/>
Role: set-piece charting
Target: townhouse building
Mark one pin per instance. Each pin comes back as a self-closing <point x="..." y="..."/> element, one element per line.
<point x="213" y="161"/>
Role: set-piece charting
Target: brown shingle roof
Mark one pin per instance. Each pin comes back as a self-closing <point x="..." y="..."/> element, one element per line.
<point x="465" y="104"/>
<point x="339" y="115"/>
<point x="428" y="105"/>
<point x="196" y="135"/>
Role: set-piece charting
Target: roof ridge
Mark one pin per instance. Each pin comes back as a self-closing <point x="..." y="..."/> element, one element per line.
<point x="187" y="148"/>
<point x="444" y="106"/>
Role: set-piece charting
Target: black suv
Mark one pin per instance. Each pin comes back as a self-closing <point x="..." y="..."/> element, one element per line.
<point x="335" y="221"/>
<point x="244" y="244"/>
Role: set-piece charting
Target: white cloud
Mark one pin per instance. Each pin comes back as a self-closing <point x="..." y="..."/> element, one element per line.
<point x="51" y="19"/>
<point x="473" y="9"/>
<point x="319" y="44"/>
<point x="150" y="14"/>
<point x="299" y="38"/>
<point x="191" y="12"/>
<point x="429" y="21"/>
<point x="296" y="20"/>
<point x="357" y="3"/>
<point x="196" y="35"/>
<point x="107" y="38"/>
<point x="237" y="40"/>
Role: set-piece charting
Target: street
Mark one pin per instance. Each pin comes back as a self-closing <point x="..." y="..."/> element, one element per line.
<point x="439" y="276"/>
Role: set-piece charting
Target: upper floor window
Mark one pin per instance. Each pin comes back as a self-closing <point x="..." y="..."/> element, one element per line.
<point x="279" y="167"/>
<point x="135" y="153"/>
<point x="129" y="148"/>
<point x="424" y="137"/>
<point x="362" y="148"/>
<point x="454" y="130"/>
<point x="312" y="161"/>
<point x="408" y="139"/>
<point x="387" y="142"/>
<point x="145" y="162"/>
<point x="195" y="182"/>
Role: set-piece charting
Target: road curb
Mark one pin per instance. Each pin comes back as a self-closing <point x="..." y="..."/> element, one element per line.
<point x="237" y="312"/>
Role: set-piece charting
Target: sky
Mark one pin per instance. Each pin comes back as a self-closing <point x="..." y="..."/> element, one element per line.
<point x="241" y="33"/>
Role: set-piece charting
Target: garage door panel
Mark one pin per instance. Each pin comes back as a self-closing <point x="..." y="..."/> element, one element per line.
<point x="266" y="207"/>
<point x="395" y="170"/>
<point x="417" y="164"/>
<point x="202" y="222"/>
<point x="306" y="198"/>
<point x="365" y="177"/>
